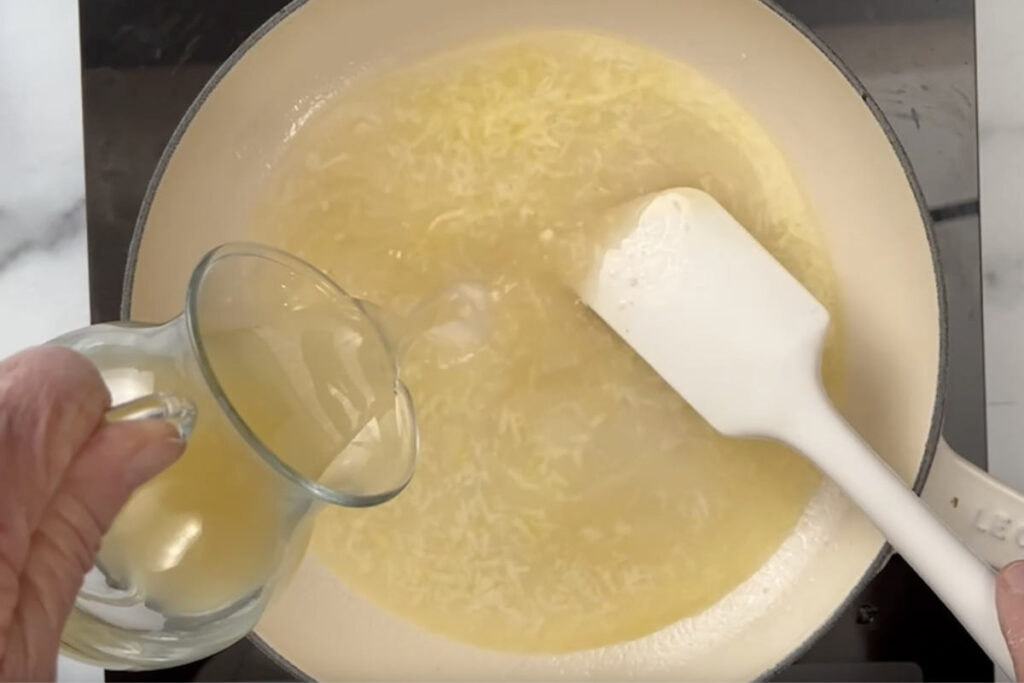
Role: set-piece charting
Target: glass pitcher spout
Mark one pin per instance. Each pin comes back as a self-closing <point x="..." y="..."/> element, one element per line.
<point x="456" y="319"/>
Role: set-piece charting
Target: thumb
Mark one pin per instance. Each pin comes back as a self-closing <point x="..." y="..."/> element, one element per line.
<point x="1010" y="606"/>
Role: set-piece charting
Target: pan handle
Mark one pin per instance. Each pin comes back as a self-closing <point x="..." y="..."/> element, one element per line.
<point x="986" y="514"/>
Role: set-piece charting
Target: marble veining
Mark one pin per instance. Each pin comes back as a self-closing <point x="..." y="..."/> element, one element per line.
<point x="43" y="266"/>
<point x="61" y="226"/>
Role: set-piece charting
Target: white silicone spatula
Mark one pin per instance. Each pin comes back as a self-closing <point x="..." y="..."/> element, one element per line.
<point x="740" y="339"/>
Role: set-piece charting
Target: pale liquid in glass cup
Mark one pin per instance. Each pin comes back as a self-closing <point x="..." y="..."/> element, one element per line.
<point x="289" y="393"/>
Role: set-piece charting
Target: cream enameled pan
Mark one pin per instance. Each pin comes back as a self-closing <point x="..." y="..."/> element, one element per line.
<point x="869" y="210"/>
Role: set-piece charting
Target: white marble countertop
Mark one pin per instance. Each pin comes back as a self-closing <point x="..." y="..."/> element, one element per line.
<point x="43" y="265"/>
<point x="44" y="278"/>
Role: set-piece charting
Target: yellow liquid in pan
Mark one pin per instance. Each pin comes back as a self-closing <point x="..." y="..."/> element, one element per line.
<point x="565" y="497"/>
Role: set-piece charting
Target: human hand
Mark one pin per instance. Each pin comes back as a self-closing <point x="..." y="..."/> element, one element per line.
<point x="64" y="474"/>
<point x="1010" y="606"/>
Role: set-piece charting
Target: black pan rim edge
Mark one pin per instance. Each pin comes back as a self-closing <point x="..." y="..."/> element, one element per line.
<point x="934" y="433"/>
<point x="935" y="430"/>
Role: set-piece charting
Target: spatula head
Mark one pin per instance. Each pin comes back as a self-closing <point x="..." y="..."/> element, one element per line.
<point x="710" y="310"/>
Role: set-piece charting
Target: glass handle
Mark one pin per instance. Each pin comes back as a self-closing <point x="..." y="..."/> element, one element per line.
<point x="177" y="410"/>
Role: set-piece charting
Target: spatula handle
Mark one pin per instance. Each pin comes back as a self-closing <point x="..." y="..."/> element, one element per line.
<point x="962" y="581"/>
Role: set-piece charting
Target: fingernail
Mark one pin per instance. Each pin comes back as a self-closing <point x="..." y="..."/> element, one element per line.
<point x="1012" y="576"/>
<point x="151" y="460"/>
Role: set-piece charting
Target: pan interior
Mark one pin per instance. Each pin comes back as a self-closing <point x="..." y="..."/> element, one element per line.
<point x="565" y="497"/>
<point x="215" y="172"/>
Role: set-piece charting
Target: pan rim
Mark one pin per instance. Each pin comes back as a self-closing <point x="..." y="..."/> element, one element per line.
<point x="938" y="404"/>
<point x="935" y="429"/>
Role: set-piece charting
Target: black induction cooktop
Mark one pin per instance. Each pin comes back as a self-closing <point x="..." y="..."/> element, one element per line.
<point x="144" y="62"/>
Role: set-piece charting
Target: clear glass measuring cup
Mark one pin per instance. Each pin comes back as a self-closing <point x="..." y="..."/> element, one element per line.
<point x="288" y="394"/>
